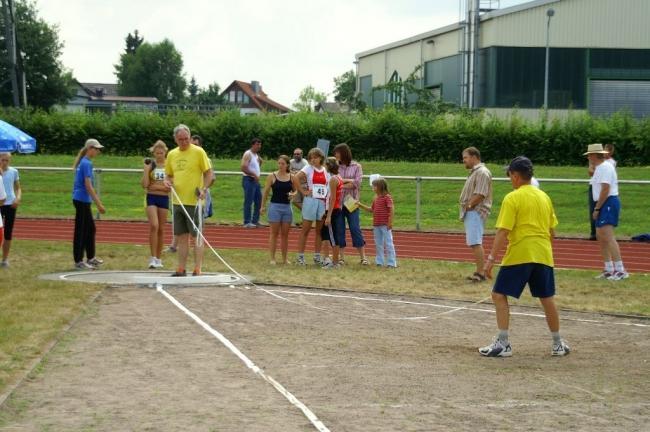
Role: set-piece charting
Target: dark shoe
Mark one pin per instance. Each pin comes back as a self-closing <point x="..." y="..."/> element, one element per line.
<point x="593" y="238"/>
<point x="196" y="273"/>
<point x="179" y="274"/>
<point x="476" y="278"/>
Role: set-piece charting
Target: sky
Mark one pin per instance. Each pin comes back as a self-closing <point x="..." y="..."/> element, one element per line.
<point x="286" y="45"/>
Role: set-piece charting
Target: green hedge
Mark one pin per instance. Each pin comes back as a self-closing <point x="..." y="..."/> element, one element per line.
<point x="386" y="135"/>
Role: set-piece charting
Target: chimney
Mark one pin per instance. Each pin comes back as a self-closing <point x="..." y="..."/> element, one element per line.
<point x="256" y="87"/>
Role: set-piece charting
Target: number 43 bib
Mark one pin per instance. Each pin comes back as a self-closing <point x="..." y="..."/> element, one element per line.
<point x="319" y="191"/>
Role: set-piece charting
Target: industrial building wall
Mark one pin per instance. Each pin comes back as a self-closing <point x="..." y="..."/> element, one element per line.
<point x="577" y="23"/>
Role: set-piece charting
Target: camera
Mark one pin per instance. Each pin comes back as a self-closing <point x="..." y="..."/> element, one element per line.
<point x="149" y="161"/>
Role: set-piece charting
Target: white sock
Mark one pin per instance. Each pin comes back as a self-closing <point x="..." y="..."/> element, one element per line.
<point x="618" y="266"/>
<point x="609" y="266"/>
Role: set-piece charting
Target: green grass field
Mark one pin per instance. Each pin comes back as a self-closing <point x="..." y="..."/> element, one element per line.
<point x="48" y="193"/>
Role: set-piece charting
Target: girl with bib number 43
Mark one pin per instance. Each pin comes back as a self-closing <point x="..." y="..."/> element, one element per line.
<point x="313" y="206"/>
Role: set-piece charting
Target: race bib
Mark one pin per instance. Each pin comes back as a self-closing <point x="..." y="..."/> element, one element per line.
<point x="319" y="191"/>
<point x="159" y="174"/>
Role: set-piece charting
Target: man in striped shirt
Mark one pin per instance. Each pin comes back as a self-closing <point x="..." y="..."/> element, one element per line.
<point x="475" y="205"/>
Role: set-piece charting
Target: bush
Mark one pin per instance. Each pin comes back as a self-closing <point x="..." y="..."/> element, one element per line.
<point x="388" y="134"/>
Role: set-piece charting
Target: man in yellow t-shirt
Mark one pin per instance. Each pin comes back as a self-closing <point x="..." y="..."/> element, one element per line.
<point x="527" y="222"/>
<point x="189" y="171"/>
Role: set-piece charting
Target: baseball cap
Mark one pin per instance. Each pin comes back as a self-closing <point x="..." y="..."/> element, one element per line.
<point x="93" y="143"/>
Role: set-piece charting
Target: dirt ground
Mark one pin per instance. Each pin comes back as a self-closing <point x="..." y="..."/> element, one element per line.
<point x="359" y="362"/>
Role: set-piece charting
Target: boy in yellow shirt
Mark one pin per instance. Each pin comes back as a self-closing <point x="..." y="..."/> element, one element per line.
<point x="527" y="222"/>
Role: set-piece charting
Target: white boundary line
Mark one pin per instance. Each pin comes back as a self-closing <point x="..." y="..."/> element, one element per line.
<point x="453" y="308"/>
<point x="252" y="366"/>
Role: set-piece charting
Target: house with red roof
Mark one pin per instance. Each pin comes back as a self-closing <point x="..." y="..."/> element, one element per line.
<point x="251" y="99"/>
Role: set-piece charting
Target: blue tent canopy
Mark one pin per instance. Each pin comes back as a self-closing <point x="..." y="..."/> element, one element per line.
<point x="13" y="139"/>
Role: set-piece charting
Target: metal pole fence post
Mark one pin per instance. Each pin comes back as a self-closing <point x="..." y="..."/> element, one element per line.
<point x="418" y="190"/>
<point x="98" y="188"/>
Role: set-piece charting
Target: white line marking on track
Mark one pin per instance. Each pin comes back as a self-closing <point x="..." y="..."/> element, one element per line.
<point x="252" y="366"/>
<point x="454" y="308"/>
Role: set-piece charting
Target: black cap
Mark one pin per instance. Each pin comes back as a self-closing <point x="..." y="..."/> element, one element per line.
<point x="521" y="164"/>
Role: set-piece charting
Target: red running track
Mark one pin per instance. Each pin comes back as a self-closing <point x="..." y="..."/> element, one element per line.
<point x="569" y="253"/>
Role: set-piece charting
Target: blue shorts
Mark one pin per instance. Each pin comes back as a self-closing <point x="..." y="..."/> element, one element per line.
<point x="312" y="209"/>
<point x="160" y="201"/>
<point x="280" y="213"/>
<point x="609" y="212"/>
<point x="334" y="233"/>
<point x="511" y="280"/>
<point x="474" y="226"/>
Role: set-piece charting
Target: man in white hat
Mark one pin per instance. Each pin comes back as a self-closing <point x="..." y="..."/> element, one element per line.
<point x="604" y="185"/>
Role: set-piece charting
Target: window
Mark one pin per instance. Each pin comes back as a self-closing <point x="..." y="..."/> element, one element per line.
<point x="233" y="96"/>
<point x="246" y="99"/>
<point x="240" y="96"/>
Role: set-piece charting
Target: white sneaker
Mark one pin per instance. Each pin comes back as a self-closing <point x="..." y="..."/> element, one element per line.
<point x="250" y="225"/>
<point x="560" y="349"/>
<point x="618" y="275"/>
<point x="152" y="263"/>
<point x="4" y="263"/>
<point x="604" y="275"/>
<point x="84" y="266"/>
<point x="300" y="261"/>
<point x="496" y="349"/>
<point x="318" y="260"/>
<point x="158" y="263"/>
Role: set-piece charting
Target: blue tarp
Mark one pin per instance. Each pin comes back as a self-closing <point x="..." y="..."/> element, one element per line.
<point x="13" y="139"/>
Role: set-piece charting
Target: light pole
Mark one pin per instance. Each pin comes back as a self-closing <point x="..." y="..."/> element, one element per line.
<point x="549" y="14"/>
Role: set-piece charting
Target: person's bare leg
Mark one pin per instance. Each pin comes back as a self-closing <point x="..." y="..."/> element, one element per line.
<point x="198" y="256"/>
<point x="273" y="239"/>
<point x="183" y="249"/>
<point x="304" y="233"/>
<point x="611" y="243"/>
<point x="478" y="257"/>
<point x="502" y="310"/>
<point x="603" y="242"/>
<point x="162" y="220"/>
<point x="284" y="240"/>
<point x="552" y="316"/>
<point x="152" y="217"/>
<point x="6" y="246"/>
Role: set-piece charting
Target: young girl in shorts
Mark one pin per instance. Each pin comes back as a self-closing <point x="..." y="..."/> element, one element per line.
<point x="280" y="183"/>
<point x="333" y="230"/>
<point x="153" y="176"/>
<point x="382" y="221"/>
<point x="313" y="206"/>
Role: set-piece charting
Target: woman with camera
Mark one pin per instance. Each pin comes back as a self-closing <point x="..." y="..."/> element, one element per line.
<point x="157" y="199"/>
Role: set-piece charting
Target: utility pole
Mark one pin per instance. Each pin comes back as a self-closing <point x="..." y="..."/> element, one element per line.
<point x="10" y="40"/>
<point x="549" y="14"/>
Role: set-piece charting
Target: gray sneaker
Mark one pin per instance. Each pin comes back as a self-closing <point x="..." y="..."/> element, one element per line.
<point x="250" y="225"/>
<point x="4" y="263"/>
<point x="496" y="349"/>
<point x="95" y="261"/>
<point x="84" y="266"/>
<point x="560" y="349"/>
<point x="301" y="261"/>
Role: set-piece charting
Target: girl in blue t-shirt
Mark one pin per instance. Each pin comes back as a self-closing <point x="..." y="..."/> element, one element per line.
<point x="83" y="194"/>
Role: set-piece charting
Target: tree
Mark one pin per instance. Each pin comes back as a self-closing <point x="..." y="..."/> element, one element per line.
<point x="308" y="98"/>
<point x="193" y="90"/>
<point x="47" y="81"/>
<point x="409" y="96"/>
<point x="152" y="70"/>
<point x="133" y="42"/>
<point x="345" y="89"/>
<point x="210" y="95"/>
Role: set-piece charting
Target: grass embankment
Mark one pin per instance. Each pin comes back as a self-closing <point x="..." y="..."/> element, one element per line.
<point x="34" y="311"/>
<point x="48" y="193"/>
